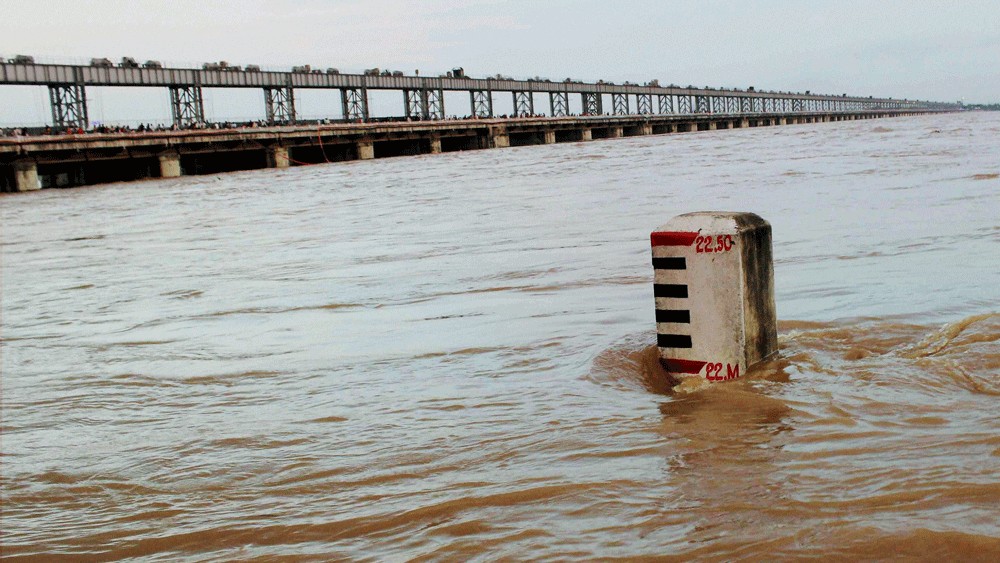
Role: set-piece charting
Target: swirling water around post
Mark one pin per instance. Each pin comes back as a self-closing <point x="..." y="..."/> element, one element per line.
<point x="452" y="357"/>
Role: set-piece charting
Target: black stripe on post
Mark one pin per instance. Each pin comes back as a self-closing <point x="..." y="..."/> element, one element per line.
<point x="673" y="316"/>
<point x="670" y="290"/>
<point x="673" y="340"/>
<point x="670" y="263"/>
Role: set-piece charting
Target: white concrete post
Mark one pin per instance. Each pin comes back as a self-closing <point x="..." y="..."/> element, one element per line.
<point x="26" y="176"/>
<point x="714" y="290"/>
<point x="170" y="165"/>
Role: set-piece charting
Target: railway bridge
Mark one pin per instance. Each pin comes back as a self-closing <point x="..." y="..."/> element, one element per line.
<point x="541" y="115"/>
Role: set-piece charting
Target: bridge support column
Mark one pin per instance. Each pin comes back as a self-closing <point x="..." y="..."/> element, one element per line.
<point x="727" y="124"/>
<point x="550" y="137"/>
<point x="366" y="150"/>
<point x="499" y="139"/>
<point x="592" y="103"/>
<point x="186" y="105"/>
<point x="26" y="176"/>
<point x="354" y="102"/>
<point x="280" y="105"/>
<point x="586" y="135"/>
<point x="712" y="125"/>
<point x="69" y="107"/>
<point x="435" y="145"/>
<point x="646" y="129"/>
<point x="745" y="122"/>
<point x="524" y="104"/>
<point x="170" y="165"/>
<point x="277" y="157"/>
<point x="614" y="132"/>
<point x="482" y="103"/>
<point x="559" y="104"/>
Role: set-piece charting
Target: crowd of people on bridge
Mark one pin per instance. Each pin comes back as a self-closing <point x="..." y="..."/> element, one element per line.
<point x="142" y="128"/>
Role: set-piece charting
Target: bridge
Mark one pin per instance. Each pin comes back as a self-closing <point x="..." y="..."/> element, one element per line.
<point x="72" y="156"/>
<point x="421" y="97"/>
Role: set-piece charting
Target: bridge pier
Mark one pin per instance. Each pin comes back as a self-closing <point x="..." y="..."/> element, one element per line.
<point x="586" y="135"/>
<point x="69" y="106"/>
<point x="614" y="132"/>
<point x="170" y="165"/>
<point x="280" y="105"/>
<point x="499" y="139"/>
<point x="277" y="157"/>
<point x="712" y="125"/>
<point x="550" y="137"/>
<point x="187" y="105"/>
<point x="366" y="150"/>
<point x="26" y="176"/>
<point x="435" y="145"/>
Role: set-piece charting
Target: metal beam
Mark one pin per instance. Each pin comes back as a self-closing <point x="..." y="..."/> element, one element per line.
<point x="280" y="105"/>
<point x="482" y="103"/>
<point x="592" y="103"/>
<point x="354" y="103"/>
<point x="186" y="105"/>
<point x="619" y="104"/>
<point x="666" y="103"/>
<point x="644" y="104"/>
<point x="524" y="104"/>
<point x="69" y="106"/>
<point x="558" y="104"/>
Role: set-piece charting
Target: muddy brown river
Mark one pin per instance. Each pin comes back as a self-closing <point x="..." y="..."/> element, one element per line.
<point x="452" y="357"/>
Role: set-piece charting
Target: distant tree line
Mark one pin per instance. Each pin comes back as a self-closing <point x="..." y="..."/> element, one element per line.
<point x="986" y="107"/>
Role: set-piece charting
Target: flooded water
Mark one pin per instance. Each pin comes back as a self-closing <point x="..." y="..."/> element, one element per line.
<point x="452" y="357"/>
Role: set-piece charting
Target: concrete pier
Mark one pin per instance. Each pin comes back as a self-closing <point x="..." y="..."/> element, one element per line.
<point x="586" y="135"/>
<point x="550" y="137"/>
<point x="366" y="150"/>
<point x="170" y="165"/>
<point x="435" y="145"/>
<point x="277" y="157"/>
<point x="26" y="176"/>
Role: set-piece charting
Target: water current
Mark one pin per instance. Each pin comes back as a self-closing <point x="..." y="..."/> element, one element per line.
<point x="452" y="357"/>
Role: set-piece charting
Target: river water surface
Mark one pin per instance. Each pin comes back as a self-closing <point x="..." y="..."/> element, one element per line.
<point x="453" y="357"/>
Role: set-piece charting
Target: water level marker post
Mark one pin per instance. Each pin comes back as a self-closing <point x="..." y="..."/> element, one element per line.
<point x="714" y="290"/>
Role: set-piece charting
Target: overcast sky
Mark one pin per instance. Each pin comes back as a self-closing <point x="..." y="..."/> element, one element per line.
<point x="924" y="49"/>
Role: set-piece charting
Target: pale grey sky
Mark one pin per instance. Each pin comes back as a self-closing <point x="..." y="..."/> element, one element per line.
<point x="925" y="49"/>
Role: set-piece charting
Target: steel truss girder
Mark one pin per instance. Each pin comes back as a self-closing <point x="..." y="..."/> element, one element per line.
<point x="644" y="104"/>
<point x="280" y="105"/>
<point x="354" y="103"/>
<point x="593" y="103"/>
<point x="482" y="103"/>
<point x="797" y="105"/>
<point x="186" y="105"/>
<point x="746" y="104"/>
<point x="424" y="103"/>
<point x="69" y="106"/>
<point x="684" y="103"/>
<point x="524" y="104"/>
<point x="665" y="103"/>
<point x="619" y="104"/>
<point x="559" y="104"/>
<point x="702" y="104"/>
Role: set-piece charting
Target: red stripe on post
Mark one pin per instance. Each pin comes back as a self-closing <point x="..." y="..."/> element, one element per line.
<point x="672" y="238"/>
<point x="684" y="366"/>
